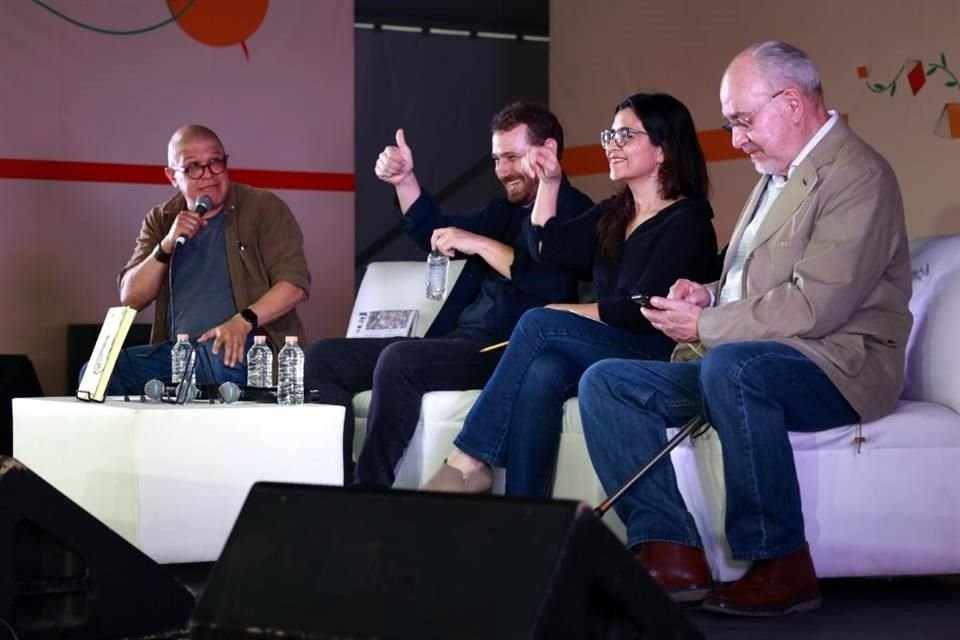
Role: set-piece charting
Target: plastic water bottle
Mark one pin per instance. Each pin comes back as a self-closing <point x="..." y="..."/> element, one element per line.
<point x="180" y="357"/>
<point x="290" y="373"/>
<point x="260" y="363"/>
<point x="437" y="267"/>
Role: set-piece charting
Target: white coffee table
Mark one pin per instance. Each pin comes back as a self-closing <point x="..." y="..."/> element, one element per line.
<point x="171" y="479"/>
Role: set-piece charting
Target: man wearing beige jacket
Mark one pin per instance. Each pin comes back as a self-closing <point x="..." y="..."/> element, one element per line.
<point x="804" y="331"/>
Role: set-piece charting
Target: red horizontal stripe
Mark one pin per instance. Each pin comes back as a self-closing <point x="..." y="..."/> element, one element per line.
<point x="151" y="174"/>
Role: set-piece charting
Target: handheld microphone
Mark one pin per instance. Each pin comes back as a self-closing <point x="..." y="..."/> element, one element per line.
<point x="153" y="390"/>
<point x="229" y="392"/>
<point x="204" y="203"/>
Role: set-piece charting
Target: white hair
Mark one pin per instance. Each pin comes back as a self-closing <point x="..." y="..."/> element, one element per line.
<point x="781" y="64"/>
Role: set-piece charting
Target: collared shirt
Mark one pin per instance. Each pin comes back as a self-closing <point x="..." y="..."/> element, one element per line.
<point x="263" y="245"/>
<point x="733" y="285"/>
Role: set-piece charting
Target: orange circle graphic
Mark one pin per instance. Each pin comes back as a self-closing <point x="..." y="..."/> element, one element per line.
<point x="220" y="23"/>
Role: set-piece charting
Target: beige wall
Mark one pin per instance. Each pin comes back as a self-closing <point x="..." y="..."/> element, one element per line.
<point x="601" y="54"/>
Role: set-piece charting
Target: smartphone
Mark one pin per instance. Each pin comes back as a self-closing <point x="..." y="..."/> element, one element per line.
<point x="643" y="300"/>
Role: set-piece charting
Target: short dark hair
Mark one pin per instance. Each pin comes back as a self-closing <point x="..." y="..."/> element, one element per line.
<point x="541" y="123"/>
<point x="669" y="125"/>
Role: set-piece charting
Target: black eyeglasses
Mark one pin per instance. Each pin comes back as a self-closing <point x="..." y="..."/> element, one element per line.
<point x="746" y="122"/>
<point x="619" y="137"/>
<point x="195" y="170"/>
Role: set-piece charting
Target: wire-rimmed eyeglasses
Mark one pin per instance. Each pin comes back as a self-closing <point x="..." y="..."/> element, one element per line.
<point x="745" y="122"/>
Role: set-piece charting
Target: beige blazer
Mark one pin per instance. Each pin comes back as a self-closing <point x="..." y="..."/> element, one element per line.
<point x="828" y="273"/>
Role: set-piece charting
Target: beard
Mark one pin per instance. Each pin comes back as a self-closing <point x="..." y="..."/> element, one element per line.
<point x="765" y="165"/>
<point x="520" y="189"/>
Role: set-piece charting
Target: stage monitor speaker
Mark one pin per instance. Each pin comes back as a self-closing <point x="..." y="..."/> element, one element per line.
<point x="64" y="574"/>
<point x="327" y="562"/>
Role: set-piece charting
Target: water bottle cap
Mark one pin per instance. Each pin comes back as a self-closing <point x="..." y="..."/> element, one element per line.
<point x="291" y="340"/>
<point x="183" y="337"/>
<point x="259" y="339"/>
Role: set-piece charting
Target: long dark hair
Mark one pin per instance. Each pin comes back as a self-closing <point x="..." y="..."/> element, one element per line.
<point x="683" y="173"/>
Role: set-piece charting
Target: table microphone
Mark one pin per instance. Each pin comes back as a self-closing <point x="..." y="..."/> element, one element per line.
<point x="204" y="203"/>
<point x="229" y="392"/>
<point x="153" y="390"/>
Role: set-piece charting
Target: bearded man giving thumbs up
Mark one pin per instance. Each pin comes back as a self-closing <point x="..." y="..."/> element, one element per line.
<point x="499" y="282"/>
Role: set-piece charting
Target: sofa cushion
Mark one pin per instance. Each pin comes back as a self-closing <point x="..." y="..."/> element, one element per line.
<point x="933" y="350"/>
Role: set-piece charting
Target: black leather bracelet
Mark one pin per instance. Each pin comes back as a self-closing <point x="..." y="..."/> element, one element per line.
<point x="160" y="255"/>
<point x="251" y="317"/>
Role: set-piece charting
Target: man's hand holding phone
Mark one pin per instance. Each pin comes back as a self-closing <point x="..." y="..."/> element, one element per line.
<point x="677" y="319"/>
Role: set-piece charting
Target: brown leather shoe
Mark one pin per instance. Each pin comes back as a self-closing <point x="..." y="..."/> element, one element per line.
<point x="451" y="480"/>
<point x="682" y="571"/>
<point x="770" y="588"/>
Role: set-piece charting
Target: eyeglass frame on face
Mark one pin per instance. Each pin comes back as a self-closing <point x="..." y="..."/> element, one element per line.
<point x="746" y="122"/>
<point x="203" y="168"/>
<point x="611" y="135"/>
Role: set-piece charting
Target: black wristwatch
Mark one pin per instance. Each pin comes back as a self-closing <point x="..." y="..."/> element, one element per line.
<point x="248" y="315"/>
<point x="160" y="255"/>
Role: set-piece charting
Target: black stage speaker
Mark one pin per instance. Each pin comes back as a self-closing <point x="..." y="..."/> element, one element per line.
<point x="327" y="562"/>
<point x="17" y="380"/>
<point x="64" y="574"/>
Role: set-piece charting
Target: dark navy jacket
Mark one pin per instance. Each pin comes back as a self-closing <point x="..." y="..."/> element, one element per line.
<point x="531" y="284"/>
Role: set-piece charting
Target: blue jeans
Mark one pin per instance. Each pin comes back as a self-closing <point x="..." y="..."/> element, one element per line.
<point x="517" y="420"/>
<point x="752" y="393"/>
<point x="136" y="365"/>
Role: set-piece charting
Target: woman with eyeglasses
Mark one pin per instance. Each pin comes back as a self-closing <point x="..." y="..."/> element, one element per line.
<point x="655" y="230"/>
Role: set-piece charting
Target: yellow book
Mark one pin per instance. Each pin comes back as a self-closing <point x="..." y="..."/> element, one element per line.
<point x="93" y="387"/>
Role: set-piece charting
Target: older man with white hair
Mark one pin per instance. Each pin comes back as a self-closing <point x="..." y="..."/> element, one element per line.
<point x="804" y="331"/>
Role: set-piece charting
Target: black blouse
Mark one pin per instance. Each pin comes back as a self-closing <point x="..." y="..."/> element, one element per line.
<point x="678" y="242"/>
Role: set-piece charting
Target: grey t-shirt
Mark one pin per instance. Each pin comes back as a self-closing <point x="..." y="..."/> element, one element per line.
<point x="202" y="296"/>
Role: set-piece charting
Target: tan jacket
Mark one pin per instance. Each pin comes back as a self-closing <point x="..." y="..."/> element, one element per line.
<point x="272" y="242"/>
<point x="828" y="273"/>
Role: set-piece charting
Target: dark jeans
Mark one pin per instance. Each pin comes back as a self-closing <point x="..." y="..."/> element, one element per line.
<point x="399" y="371"/>
<point x="752" y="393"/>
<point x="517" y="421"/>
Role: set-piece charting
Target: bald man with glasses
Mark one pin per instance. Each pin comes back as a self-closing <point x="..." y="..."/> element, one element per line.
<point x="233" y="255"/>
<point x="805" y="331"/>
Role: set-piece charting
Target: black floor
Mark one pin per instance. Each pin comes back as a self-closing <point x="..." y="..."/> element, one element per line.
<point x="853" y="609"/>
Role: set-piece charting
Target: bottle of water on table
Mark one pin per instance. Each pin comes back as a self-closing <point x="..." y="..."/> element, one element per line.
<point x="260" y="364"/>
<point x="290" y="373"/>
<point x="180" y="357"/>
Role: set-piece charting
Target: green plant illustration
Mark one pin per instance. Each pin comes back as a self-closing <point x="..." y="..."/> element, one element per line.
<point x="916" y="77"/>
<point x="891" y="87"/>
<point x="942" y="66"/>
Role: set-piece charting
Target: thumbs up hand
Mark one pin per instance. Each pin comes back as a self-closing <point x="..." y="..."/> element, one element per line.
<point x="395" y="163"/>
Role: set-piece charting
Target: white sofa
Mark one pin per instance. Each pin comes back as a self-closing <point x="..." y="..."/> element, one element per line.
<point x="881" y="498"/>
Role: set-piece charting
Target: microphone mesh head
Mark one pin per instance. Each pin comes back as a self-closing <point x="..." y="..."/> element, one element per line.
<point x="204" y="203"/>
<point x="229" y="392"/>
<point x="153" y="389"/>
